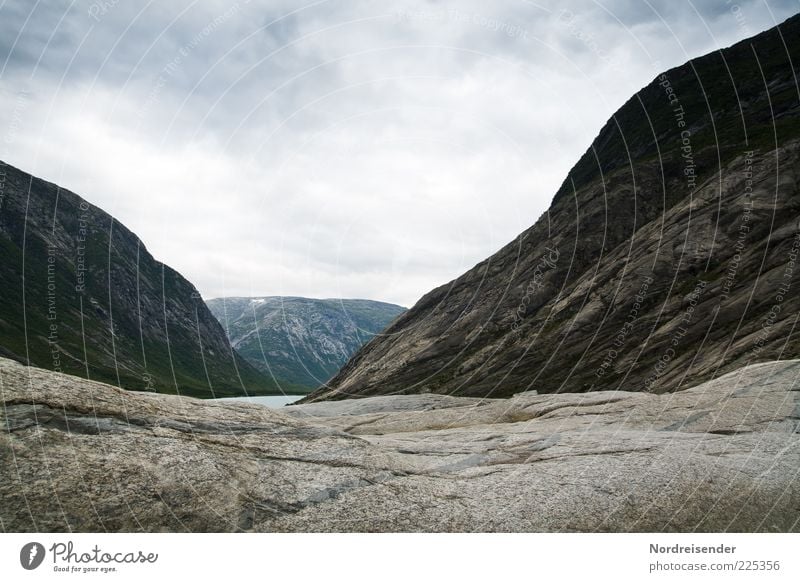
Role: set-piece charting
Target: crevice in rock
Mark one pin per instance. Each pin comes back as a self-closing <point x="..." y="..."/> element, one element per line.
<point x="675" y="426"/>
<point x="729" y="431"/>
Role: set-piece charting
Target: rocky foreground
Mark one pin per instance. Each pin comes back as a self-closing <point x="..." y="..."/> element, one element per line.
<point x="83" y="456"/>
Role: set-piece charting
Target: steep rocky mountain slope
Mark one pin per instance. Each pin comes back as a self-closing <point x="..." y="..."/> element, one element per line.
<point x="81" y="294"/>
<point x="667" y="257"/>
<point x="722" y="456"/>
<point x="298" y="340"/>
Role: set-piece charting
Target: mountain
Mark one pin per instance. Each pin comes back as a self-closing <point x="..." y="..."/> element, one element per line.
<point x="298" y="340"/>
<point x="81" y="295"/>
<point x="668" y="255"/>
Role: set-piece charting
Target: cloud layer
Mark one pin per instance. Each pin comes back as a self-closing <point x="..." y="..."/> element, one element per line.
<point x="353" y="148"/>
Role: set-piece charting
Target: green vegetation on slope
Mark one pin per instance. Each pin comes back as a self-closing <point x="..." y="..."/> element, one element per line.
<point x="299" y="340"/>
<point x="81" y="295"/>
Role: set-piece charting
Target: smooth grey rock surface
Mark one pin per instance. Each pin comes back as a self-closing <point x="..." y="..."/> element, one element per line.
<point x="77" y="455"/>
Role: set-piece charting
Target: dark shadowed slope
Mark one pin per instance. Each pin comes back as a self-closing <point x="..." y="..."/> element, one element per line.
<point x="666" y="258"/>
<point x="81" y="294"/>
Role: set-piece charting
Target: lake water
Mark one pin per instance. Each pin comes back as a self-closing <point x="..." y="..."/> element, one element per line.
<point x="270" y="401"/>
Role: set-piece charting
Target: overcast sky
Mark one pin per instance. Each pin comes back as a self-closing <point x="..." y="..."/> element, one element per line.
<point x="367" y="149"/>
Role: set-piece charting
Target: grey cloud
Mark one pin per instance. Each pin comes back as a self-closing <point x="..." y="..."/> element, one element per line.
<point x="276" y="148"/>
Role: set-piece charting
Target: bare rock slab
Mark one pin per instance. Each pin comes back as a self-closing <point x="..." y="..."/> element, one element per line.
<point x="77" y="455"/>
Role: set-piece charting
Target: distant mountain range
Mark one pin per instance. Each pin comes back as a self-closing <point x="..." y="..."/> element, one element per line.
<point x="297" y="340"/>
<point x="669" y="255"/>
<point x="81" y="295"/>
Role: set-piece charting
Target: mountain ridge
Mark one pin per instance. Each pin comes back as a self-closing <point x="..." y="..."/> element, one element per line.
<point x="301" y="340"/>
<point x="645" y="213"/>
<point x="83" y="295"/>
